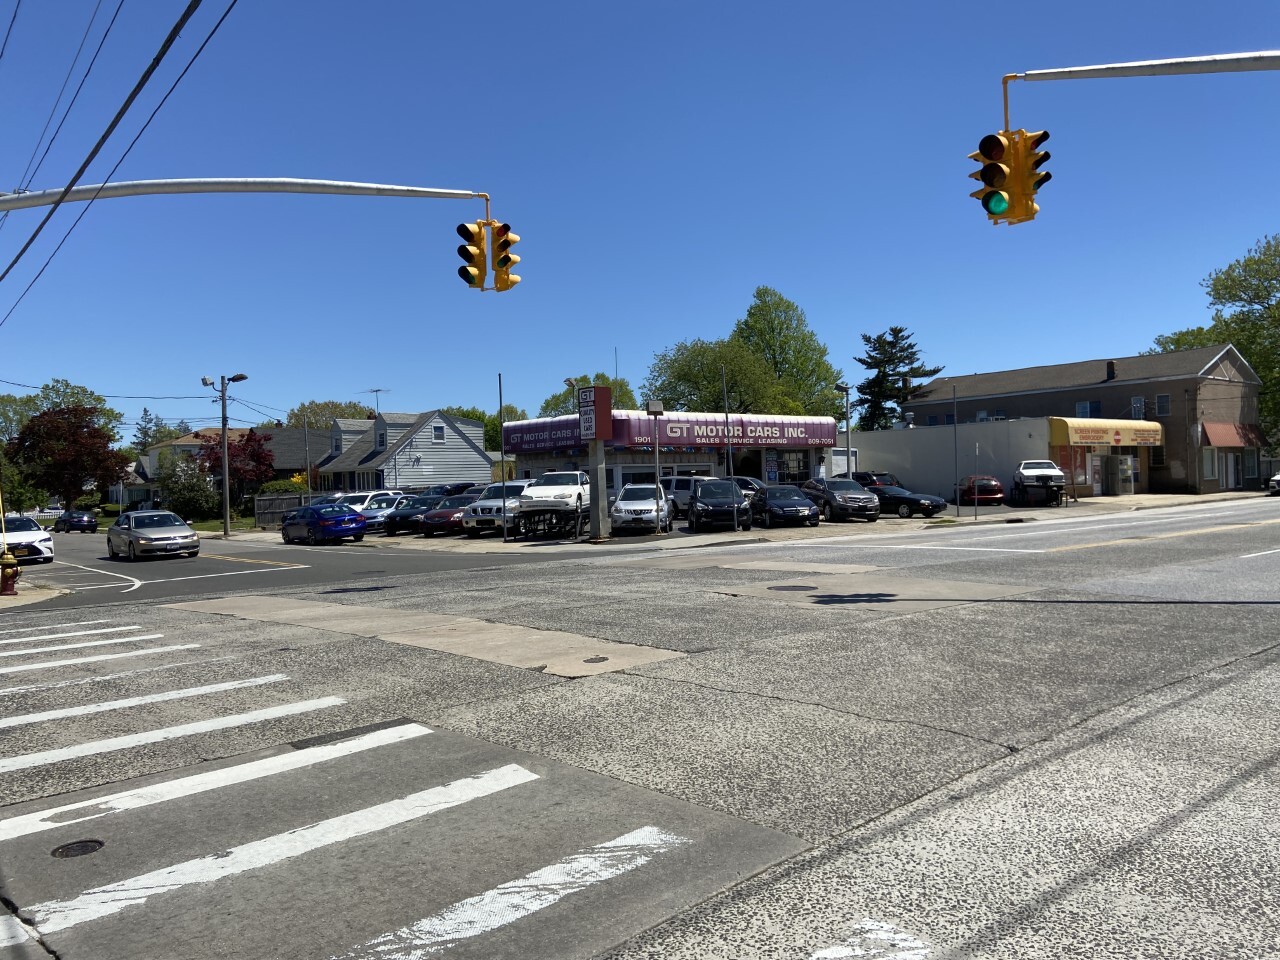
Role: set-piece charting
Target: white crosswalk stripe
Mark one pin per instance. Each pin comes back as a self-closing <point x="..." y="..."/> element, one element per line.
<point x="77" y="646"/>
<point x="51" y="664"/>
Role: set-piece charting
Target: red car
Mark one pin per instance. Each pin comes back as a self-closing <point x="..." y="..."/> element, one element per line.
<point x="981" y="490"/>
<point x="447" y="516"/>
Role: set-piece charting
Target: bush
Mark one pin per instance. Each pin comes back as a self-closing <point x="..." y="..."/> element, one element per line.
<point x="283" y="486"/>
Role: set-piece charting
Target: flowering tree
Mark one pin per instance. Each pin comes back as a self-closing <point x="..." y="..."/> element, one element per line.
<point x="65" y="450"/>
<point x="251" y="462"/>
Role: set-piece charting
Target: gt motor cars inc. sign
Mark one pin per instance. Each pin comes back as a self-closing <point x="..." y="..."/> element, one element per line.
<point x="634" y="429"/>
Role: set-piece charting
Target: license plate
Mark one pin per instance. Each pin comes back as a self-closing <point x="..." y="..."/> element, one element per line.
<point x="171" y="546"/>
<point x="484" y="523"/>
<point x="22" y="551"/>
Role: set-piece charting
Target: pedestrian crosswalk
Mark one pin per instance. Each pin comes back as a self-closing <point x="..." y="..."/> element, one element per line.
<point x="390" y="840"/>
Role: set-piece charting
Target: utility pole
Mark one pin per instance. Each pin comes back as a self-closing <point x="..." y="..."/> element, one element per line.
<point x="226" y="466"/>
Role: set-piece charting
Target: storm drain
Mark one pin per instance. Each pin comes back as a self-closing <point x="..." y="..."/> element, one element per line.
<point x="792" y="587"/>
<point x="76" y="848"/>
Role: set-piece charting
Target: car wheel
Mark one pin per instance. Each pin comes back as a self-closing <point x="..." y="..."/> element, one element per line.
<point x="814" y="523"/>
<point x="472" y="534"/>
<point x="747" y="525"/>
<point x="133" y="553"/>
<point x="873" y="519"/>
<point x="46" y="559"/>
<point x="284" y="535"/>
<point x="311" y="538"/>
<point x="194" y="553"/>
<point x="357" y="537"/>
<point x="768" y="520"/>
<point x="826" y="512"/>
<point x="693" y="523"/>
<point x="904" y="512"/>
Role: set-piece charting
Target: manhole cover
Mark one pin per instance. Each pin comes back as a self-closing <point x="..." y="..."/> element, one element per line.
<point x="793" y="587"/>
<point x="77" y="848"/>
<point x="596" y="660"/>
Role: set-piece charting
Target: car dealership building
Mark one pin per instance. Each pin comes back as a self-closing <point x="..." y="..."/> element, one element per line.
<point x="775" y="449"/>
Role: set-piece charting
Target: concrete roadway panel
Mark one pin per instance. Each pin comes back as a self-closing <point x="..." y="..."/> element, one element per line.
<point x="492" y="853"/>
<point x="906" y="595"/>
<point x="554" y="652"/>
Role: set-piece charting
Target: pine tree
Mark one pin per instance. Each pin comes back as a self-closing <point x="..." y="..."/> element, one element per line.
<point x="896" y="372"/>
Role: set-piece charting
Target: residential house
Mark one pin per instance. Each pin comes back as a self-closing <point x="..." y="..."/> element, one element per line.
<point x="404" y="451"/>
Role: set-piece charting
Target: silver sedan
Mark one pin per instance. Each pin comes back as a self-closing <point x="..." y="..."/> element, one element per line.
<point x="145" y="533"/>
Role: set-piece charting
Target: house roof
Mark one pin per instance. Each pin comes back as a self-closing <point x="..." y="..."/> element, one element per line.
<point x="400" y="418"/>
<point x="361" y="455"/>
<point x="1081" y="373"/>
<point x="347" y="425"/>
<point x="288" y="446"/>
<point x="195" y="438"/>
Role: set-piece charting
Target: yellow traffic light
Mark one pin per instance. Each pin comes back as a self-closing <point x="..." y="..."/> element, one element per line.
<point x="995" y="153"/>
<point x="503" y="258"/>
<point x="474" y="269"/>
<point x="1031" y="178"/>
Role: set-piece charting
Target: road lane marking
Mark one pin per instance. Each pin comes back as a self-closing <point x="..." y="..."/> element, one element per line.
<point x="26" y="718"/>
<point x="106" y="677"/>
<point x="12" y="932"/>
<point x="1201" y="531"/>
<point x="929" y="546"/>
<point x="93" y="747"/>
<point x="103" y="656"/>
<point x="1250" y="556"/>
<point x="517" y="899"/>
<point x="270" y="563"/>
<point x="105" y="901"/>
<point x="82" y="623"/>
<point x="106" y="573"/>
<point x="75" y="633"/>
<point x="76" y="646"/>
<point x="140" y="797"/>
<point x="201" y="576"/>
<point x="877" y="941"/>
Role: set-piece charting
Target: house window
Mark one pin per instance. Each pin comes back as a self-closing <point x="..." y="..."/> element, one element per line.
<point x="949" y="419"/>
<point x="933" y="419"/>
<point x="1086" y="409"/>
<point x="1157" y="456"/>
<point x="999" y="415"/>
<point x="437" y="433"/>
<point x="337" y="444"/>
<point x="1162" y="405"/>
<point x="1138" y="408"/>
<point x="1209" y="463"/>
<point x="1250" y="462"/>
<point x="382" y="440"/>
<point x="982" y="416"/>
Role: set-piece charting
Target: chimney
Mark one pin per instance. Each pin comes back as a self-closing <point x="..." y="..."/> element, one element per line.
<point x="1111" y="369"/>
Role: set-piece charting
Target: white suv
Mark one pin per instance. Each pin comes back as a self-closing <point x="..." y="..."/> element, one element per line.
<point x="567" y="490"/>
<point x="499" y="505"/>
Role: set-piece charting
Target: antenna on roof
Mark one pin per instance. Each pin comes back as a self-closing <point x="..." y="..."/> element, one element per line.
<point x="375" y="391"/>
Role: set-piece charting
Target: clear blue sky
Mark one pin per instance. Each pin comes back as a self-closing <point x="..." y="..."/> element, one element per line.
<point x="660" y="161"/>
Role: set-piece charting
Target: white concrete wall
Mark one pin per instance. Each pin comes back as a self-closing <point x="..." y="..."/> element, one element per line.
<point x="924" y="458"/>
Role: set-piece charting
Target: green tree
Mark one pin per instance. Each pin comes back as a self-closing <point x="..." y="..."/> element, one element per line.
<point x="66" y="450"/>
<point x="688" y="377"/>
<point x="320" y="413"/>
<point x="186" y="486"/>
<point x="776" y="330"/>
<point x="896" y="372"/>
<point x="14" y="412"/>
<point x="19" y="494"/>
<point x="565" y="401"/>
<point x="57" y="393"/>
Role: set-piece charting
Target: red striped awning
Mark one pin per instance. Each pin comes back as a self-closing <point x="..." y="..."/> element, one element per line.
<point x="1232" y="435"/>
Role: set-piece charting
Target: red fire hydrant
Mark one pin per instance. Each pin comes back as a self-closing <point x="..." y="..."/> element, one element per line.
<point x="9" y="574"/>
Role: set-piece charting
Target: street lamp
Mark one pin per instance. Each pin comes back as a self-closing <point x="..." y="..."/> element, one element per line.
<point x="226" y="471"/>
<point x="848" y="435"/>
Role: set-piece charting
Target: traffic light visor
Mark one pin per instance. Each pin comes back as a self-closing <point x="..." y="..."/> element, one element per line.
<point x="470" y="232"/>
<point x="995" y="202"/>
<point x="993" y="147"/>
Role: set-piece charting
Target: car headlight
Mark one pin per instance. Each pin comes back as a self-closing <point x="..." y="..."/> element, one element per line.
<point x="702" y="508"/>
<point x="144" y="539"/>
<point x="563" y="496"/>
<point x="45" y="540"/>
<point x="457" y="516"/>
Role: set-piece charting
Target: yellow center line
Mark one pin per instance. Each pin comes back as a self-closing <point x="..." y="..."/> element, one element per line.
<point x="267" y="563"/>
<point x="1159" y="536"/>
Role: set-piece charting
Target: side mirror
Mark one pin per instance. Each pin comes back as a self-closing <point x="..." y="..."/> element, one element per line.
<point x="612" y="501"/>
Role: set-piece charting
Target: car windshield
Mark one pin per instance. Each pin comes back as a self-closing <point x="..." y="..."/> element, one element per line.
<point x="717" y="488"/>
<point x="334" y="510"/>
<point x="384" y="501"/>
<point x="452" y="503"/>
<point x="893" y="491"/>
<point x="20" y="524"/>
<point x="430" y="501"/>
<point x="147" y="521"/>
<point x="986" y="482"/>
<point x="494" y="491"/>
<point x="785" y="493"/>
<point x="630" y="492"/>
<point x="556" y="480"/>
<point x="845" y="486"/>
<point x="1039" y="465"/>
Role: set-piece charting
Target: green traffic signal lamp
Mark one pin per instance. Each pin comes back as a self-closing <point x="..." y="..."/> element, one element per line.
<point x="995" y="155"/>
<point x="503" y="258"/>
<point x="474" y="269"/>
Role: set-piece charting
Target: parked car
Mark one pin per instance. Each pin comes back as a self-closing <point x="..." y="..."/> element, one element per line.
<point x="783" y="503"/>
<point x="1273" y="485"/>
<point x="842" y="499"/>
<point x="905" y="503"/>
<point x="323" y="523"/>
<point x="362" y="498"/>
<point x="717" y="503"/>
<point x="679" y="490"/>
<point x="748" y="485"/>
<point x="27" y="540"/>
<point x="872" y="478"/>
<point x="80" y="520"/>
<point x="376" y="510"/>
<point x="1032" y="473"/>
<point x="980" y="490"/>
<point x="145" y="533"/>
<point x="499" y="504"/>
<point x="451" y="489"/>
<point x="446" y="516"/>
<point x="567" y="490"/>
<point x="408" y="516"/>
<point x="634" y="509"/>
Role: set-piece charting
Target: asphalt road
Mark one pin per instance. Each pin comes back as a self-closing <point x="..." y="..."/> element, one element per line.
<point x="1044" y="740"/>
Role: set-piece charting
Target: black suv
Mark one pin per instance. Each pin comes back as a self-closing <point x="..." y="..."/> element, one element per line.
<point x="870" y="478"/>
<point x="715" y="502"/>
<point x="842" y="499"/>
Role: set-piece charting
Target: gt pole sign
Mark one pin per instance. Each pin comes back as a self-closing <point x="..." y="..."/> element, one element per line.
<point x="595" y="413"/>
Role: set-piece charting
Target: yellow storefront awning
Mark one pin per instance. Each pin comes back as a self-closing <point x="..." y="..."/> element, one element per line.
<point x="1081" y="432"/>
